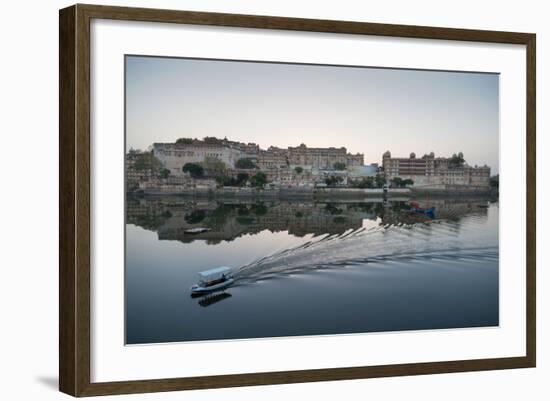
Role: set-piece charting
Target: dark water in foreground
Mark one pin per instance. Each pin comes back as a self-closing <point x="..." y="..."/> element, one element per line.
<point x="306" y="268"/>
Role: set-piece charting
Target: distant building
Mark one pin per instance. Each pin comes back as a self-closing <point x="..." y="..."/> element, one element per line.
<point x="322" y="158"/>
<point x="431" y="171"/>
<point x="356" y="160"/>
<point x="175" y="155"/>
<point x="480" y="176"/>
<point x="138" y="168"/>
<point x="248" y="150"/>
<point x="423" y="168"/>
<point x="272" y="158"/>
<point x="290" y="167"/>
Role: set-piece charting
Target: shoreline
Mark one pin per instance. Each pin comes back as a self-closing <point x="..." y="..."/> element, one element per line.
<point x="396" y="194"/>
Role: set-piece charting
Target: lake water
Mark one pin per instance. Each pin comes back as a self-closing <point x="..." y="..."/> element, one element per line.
<point x="309" y="268"/>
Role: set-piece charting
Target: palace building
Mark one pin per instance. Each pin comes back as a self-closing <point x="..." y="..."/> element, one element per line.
<point x="174" y="156"/>
<point x="322" y="158"/>
<point x="429" y="170"/>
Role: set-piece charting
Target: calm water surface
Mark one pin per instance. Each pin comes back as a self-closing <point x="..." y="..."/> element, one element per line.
<point x="309" y="268"/>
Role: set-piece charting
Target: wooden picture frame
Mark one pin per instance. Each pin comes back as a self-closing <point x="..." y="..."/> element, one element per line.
<point x="74" y="199"/>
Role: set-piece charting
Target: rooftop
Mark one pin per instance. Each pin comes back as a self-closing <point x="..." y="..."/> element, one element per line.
<point x="218" y="271"/>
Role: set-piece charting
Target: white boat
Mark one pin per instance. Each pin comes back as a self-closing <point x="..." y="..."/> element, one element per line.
<point x="196" y="230"/>
<point x="213" y="279"/>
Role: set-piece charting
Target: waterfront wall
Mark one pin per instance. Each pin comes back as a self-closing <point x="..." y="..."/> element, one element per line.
<point x="379" y="192"/>
<point x="289" y="192"/>
<point x="240" y="192"/>
<point x="447" y="189"/>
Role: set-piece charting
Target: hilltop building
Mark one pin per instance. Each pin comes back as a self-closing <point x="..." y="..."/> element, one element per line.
<point x="174" y="156"/>
<point x="272" y="158"/>
<point x="429" y="171"/>
<point x="322" y="158"/>
<point x="226" y="162"/>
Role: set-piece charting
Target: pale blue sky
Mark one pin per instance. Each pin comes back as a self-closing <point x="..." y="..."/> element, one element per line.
<point x="367" y="110"/>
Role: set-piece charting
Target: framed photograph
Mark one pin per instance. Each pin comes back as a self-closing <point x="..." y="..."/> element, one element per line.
<point x="250" y="200"/>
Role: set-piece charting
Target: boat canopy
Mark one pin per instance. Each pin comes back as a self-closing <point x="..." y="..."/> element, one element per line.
<point x="215" y="273"/>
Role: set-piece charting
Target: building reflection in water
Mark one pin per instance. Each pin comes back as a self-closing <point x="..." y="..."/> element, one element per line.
<point x="226" y="220"/>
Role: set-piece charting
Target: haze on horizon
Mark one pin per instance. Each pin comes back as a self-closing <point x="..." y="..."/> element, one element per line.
<point x="366" y="110"/>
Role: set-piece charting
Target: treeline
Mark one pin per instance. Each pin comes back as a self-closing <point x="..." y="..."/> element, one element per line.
<point x="379" y="181"/>
<point x="218" y="170"/>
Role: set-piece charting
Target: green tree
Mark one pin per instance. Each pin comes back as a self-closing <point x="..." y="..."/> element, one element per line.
<point x="333" y="180"/>
<point x="245" y="164"/>
<point x="380" y="181"/>
<point x="147" y="161"/>
<point x="196" y="216"/>
<point x="242" y="178"/>
<point x="259" y="209"/>
<point x="220" y="215"/>
<point x="212" y="140"/>
<point x="332" y="209"/>
<point x="194" y="169"/>
<point x="494" y="181"/>
<point x="365" y="182"/>
<point x="225" y="181"/>
<point x="397" y="182"/>
<point x="339" y="166"/>
<point x="184" y="141"/>
<point x="258" y="180"/>
<point x="243" y="210"/>
<point x="298" y="169"/>
<point x="457" y="160"/>
<point x="164" y="173"/>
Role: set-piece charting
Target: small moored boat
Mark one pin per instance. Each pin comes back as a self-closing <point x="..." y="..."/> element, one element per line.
<point x="415" y="208"/>
<point x="213" y="279"/>
<point x="421" y="210"/>
<point x="196" y="230"/>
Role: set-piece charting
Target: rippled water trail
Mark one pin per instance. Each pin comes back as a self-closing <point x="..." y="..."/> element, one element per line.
<point x="436" y="239"/>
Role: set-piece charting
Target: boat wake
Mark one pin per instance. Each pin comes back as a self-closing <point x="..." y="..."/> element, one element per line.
<point x="437" y="239"/>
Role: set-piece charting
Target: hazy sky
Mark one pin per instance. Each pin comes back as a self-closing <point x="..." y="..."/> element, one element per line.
<point x="367" y="110"/>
